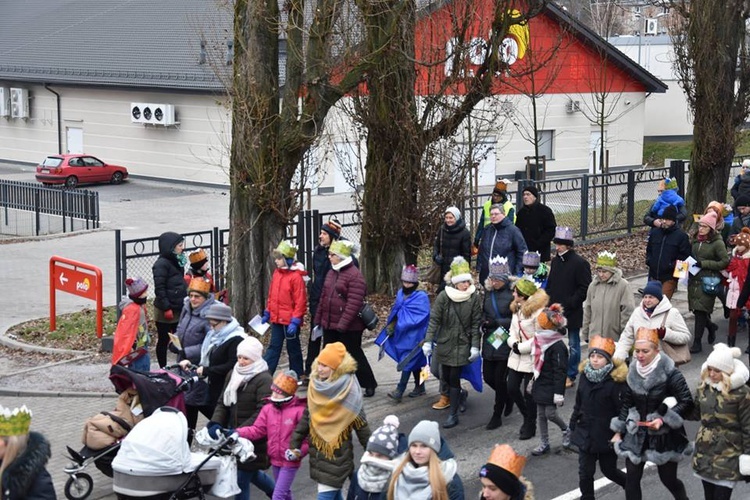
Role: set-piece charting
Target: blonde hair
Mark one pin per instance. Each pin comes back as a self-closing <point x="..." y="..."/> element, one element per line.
<point x="437" y="480"/>
<point x="14" y="446"/>
<point x="725" y="382"/>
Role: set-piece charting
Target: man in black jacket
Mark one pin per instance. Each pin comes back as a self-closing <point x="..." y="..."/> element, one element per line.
<point x="567" y="284"/>
<point x="667" y="244"/>
<point x="536" y="222"/>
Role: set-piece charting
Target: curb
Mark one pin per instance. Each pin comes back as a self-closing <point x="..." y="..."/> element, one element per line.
<point x="56" y="394"/>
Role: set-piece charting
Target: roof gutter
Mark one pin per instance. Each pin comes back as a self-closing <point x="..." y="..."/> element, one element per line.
<point x="59" y="119"/>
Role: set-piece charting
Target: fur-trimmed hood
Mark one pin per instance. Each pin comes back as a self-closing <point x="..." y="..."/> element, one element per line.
<point x="614" y="279"/>
<point x="21" y="476"/>
<point x="537" y="301"/>
<point x="641" y="385"/>
<point x="619" y="373"/>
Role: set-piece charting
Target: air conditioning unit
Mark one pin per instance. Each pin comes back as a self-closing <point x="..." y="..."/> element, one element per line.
<point x="652" y="26"/>
<point x="163" y="114"/>
<point x="4" y="101"/>
<point x="19" y="103"/>
<point x="572" y="106"/>
<point x="136" y="112"/>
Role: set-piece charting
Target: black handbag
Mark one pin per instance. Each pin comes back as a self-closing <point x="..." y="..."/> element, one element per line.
<point x="369" y="318"/>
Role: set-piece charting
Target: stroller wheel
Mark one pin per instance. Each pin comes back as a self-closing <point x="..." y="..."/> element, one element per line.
<point x="78" y="486"/>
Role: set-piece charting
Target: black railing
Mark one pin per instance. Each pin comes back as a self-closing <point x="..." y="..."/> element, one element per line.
<point x="24" y="204"/>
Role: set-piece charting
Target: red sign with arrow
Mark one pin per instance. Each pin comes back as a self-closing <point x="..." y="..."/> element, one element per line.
<point x="77" y="278"/>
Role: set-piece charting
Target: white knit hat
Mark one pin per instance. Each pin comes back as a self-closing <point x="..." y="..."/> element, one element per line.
<point x="722" y="358"/>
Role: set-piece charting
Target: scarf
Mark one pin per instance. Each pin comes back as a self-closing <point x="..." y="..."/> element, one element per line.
<point x="181" y="259"/>
<point x="649" y="310"/>
<point x="334" y="407"/>
<point x="701" y="237"/>
<point x="414" y="482"/>
<point x="645" y="371"/>
<point x="374" y="473"/>
<point x="215" y="339"/>
<point x="457" y="295"/>
<point x="595" y="376"/>
<point x="542" y="341"/>
<point x="241" y="375"/>
<point x="337" y="267"/>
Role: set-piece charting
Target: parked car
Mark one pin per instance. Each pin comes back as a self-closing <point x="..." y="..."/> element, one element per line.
<point x="72" y="170"/>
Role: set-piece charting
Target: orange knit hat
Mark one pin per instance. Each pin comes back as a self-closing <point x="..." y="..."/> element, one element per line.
<point x="332" y="355"/>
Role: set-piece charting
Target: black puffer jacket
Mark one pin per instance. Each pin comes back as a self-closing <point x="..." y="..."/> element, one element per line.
<point x="169" y="280"/>
<point x="664" y="248"/>
<point x="537" y="224"/>
<point x="496" y="313"/>
<point x="450" y="242"/>
<point x="26" y="478"/>
<point x="643" y="400"/>
<point x="551" y="379"/>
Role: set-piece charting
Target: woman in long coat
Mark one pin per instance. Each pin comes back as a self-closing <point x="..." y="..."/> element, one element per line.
<point x="454" y="329"/>
<point x="723" y="407"/>
<point x="650" y="425"/>
<point x="711" y="256"/>
<point x="453" y="240"/>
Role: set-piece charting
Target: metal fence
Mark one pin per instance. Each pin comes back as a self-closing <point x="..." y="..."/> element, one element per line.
<point x="32" y="210"/>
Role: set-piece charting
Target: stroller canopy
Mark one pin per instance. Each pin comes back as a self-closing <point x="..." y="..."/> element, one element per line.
<point x="156" y="446"/>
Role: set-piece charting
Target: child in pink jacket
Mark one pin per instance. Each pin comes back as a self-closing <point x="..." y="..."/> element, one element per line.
<point x="276" y="422"/>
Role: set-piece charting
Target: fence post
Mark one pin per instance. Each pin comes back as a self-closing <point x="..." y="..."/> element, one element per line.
<point x="36" y="210"/>
<point x="584" y="205"/>
<point x="631" y="200"/>
<point x="5" y="202"/>
<point x="306" y="222"/>
<point x="64" y="196"/>
<point x="677" y="170"/>
<point x="118" y="268"/>
<point x="216" y="255"/>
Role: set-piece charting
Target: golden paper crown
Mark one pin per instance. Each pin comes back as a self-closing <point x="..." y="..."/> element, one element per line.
<point x="200" y="285"/>
<point x="197" y="256"/>
<point x="504" y="457"/>
<point x="15" y="422"/>
<point x="602" y="343"/>
<point x="648" y="334"/>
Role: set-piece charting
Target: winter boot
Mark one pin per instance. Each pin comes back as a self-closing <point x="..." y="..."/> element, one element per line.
<point x="442" y="403"/>
<point x="418" y="391"/>
<point x="540" y="450"/>
<point x="528" y="429"/>
<point x="701" y="320"/>
<point x="731" y="340"/>
<point x="396" y="394"/>
<point x="495" y="422"/>
<point x="712" y="328"/>
<point x="508" y="408"/>
<point x="462" y="401"/>
<point x="455" y="401"/>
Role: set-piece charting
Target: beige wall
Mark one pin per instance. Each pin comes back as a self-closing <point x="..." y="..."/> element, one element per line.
<point x="195" y="150"/>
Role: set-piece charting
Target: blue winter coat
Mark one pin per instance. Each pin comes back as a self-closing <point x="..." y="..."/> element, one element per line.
<point x="504" y="240"/>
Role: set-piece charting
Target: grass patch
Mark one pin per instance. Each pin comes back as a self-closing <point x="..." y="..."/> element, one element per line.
<point x="74" y="331"/>
<point x="654" y="153"/>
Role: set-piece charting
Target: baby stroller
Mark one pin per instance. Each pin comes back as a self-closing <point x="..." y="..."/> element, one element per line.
<point x="150" y="390"/>
<point x="155" y="461"/>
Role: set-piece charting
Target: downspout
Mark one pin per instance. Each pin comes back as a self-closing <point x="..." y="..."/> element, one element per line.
<point x="59" y="119"/>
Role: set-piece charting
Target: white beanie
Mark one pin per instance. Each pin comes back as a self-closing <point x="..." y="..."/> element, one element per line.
<point x="455" y="211"/>
<point x="251" y="348"/>
<point x="426" y="432"/>
<point x="722" y="358"/>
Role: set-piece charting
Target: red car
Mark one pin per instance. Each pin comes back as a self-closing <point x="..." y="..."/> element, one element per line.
<point x="72" y="170"/>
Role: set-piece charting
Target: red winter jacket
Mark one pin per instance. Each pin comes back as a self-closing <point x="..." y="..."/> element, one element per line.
<point x="287" y="296"/>
<point x="341" y="300"/>
<point x="276" y="423"/>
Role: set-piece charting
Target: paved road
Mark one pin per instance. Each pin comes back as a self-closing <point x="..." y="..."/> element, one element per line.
<point x="143" y="208"/>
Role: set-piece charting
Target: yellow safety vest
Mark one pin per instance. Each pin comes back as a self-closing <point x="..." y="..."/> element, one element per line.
<point x="507" y="206"/>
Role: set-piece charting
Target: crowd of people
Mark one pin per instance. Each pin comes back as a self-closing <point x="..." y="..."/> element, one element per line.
<point x="518" y="328"/>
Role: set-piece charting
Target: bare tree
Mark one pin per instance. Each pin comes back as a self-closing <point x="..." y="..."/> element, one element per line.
<point x="710" y="43"/>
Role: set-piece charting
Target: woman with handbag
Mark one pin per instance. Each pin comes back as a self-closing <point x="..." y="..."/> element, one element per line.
<point x="454" y="328"/>
<point x="710" y="256"/>
<point x="453" y="240"/>
<point x="656" y="311"/>
<point x="722" y="404"/>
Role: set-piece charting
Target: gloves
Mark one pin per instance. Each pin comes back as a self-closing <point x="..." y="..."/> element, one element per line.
<point x="427" y="349"/>
<point x="437" y="258"/>
<point x="666" y="405"/>
<point x="473" y="354"/>
<point x="698" y="263"/>
<point x="515" y="348"/>
<point x="229" y="432"/>
<point x="169" y="315"/>
<point x="292" y="455"/>
<point x="266" y="316"/>
<point x="662" y="331"/>
<point x="293" y="327"/>
<point x="213" y="429"/>
<point x="558" y="399"/>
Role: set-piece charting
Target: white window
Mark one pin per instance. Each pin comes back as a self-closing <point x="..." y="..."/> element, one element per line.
<point x="546" y="143"/>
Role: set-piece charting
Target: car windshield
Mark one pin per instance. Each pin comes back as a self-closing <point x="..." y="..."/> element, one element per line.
<point x="52" y="161"/>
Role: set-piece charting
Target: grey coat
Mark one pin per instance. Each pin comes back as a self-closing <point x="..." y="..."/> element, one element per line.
<point x="192" y="329"/>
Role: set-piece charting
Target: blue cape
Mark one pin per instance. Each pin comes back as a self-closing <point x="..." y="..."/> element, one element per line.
<point x="412" y="315"/>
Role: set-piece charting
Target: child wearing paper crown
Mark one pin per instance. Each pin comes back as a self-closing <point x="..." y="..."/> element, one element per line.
<point x="199" y="268"/>
<point x="335" y="409"/>
<point x="23" y="458"/>
<point x="286" y="307"/>
<point x="276" y="422"/>
<point x="598" y="400"/>
<point x="501" y="476"/>
<point x="722" y="405"/>
<point x="131" y="340"/>
<point x="550" y="357"/>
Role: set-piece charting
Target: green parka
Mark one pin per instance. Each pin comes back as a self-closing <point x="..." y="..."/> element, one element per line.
<point x="454" y="327"/>
<point x="713" y="257"/>
<point x="724" y="433"/>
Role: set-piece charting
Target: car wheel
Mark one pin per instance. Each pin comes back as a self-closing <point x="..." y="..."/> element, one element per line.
<point x="116" y="178"/>
<point x="71" y="181"/>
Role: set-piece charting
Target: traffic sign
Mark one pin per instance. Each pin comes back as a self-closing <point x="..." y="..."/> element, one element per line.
<point x="77" y="278"/>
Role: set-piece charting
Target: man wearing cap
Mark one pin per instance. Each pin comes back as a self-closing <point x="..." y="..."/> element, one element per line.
<point x="741" y="218"/>
<point x="568" y="283"/>
<point x="609" y="301"/>
<point x="536" y="222"/>
<point x="499" y="197"/>
<point x="501" y="239"/>
<point x="667" y="243"/>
